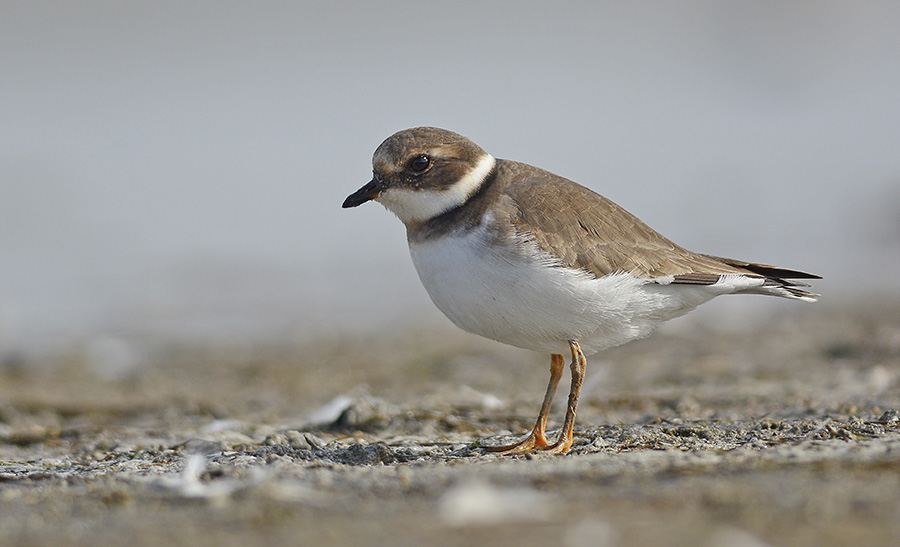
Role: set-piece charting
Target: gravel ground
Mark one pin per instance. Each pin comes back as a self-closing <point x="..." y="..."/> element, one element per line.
<point x="787" y="434"/>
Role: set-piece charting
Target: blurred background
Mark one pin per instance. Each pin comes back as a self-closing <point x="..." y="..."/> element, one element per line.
<point x="175" y="170"/>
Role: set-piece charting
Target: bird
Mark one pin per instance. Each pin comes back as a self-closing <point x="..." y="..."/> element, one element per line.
<point x="520" y="255"/>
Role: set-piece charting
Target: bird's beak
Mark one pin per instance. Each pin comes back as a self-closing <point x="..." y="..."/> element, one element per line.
<point x="368" y="192"/>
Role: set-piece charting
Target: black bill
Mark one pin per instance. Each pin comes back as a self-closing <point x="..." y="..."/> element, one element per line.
<point x="368" y="192"/>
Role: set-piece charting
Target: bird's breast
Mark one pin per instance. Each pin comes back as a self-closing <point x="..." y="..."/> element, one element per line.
<point x="509" y="291"/>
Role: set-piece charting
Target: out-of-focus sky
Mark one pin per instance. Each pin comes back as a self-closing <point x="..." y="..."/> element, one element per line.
<point x="177" y="168"/>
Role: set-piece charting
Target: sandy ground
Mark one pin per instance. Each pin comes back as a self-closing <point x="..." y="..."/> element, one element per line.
<point x="785" y="435"/>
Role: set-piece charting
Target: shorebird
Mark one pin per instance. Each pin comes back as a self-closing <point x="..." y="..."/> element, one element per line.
<point x="520" y="255"/>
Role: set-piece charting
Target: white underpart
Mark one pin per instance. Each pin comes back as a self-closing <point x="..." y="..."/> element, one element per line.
<point x="737" y="283"/>
<point x="518" y="295"/>
<point x="777" y="290"/>
<point x="420" y="205"/>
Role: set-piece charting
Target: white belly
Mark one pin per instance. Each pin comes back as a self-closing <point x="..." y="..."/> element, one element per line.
<point x="518" y="297"/>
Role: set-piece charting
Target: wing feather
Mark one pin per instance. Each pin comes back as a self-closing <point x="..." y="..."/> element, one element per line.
<point x="585" y="230"/>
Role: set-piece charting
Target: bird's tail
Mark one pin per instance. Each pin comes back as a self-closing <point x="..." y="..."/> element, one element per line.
<point x="779" y="281"/>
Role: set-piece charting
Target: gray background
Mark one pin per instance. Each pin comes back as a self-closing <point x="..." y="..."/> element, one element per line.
<point x="177" y="170"/>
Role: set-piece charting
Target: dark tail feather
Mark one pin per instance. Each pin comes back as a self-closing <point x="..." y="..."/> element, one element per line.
<point x="780" y="279"/>
<point x="773" y="272"/>
<point x="794" y="292"/>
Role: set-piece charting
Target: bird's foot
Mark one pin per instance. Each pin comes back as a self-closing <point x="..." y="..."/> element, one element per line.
<point x="534" y="442"/>
<point x="561" y="446"/>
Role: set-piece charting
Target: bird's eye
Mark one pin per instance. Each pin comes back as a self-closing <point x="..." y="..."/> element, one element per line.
<point x="420" y="163"/>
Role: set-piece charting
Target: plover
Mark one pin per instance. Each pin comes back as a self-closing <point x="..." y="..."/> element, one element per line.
<point x="520" y="255"/>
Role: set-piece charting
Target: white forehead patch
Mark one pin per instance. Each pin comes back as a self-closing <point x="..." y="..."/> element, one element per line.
<point x="421" y="205"/>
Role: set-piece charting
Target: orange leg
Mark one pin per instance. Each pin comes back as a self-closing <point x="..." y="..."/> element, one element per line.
<point x="578" y="366"/>
<point x="537" y="440"/>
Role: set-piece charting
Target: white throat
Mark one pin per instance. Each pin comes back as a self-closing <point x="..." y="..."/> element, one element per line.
<point x="421" y="205"/>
